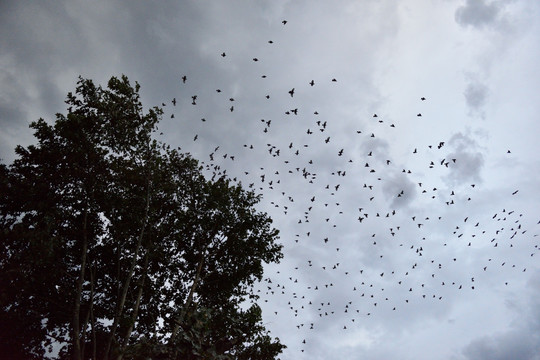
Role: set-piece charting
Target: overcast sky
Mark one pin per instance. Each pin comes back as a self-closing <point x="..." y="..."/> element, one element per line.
<point x="428" y="248"/>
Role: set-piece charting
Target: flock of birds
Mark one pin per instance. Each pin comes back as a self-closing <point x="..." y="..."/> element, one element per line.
<point x="363" y="235"/>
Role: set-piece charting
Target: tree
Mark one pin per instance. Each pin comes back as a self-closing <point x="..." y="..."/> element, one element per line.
<point x="115" y="246"/>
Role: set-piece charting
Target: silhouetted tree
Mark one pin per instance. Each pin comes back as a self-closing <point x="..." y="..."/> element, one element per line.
<point x="115" y="246"/>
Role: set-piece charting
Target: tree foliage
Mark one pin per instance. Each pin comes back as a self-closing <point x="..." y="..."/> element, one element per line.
<point x="115" y="246"/>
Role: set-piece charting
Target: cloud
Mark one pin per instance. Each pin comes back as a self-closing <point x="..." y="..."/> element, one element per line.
<point x="468" y="160"/>
<point x="400" y="189"/>
<point x="517" y="345"/>
<point x="476" y="95"/>
<point x="522" y="342"/>
<point x="377" y="147"/>
<point x="155" y="46"/>
<point x="478" y="14"/>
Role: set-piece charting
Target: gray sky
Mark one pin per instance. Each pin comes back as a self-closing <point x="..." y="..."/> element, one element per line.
<point x="475" y="62"/>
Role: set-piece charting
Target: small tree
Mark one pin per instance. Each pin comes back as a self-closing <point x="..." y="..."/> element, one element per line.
<point x="116" y="246"/>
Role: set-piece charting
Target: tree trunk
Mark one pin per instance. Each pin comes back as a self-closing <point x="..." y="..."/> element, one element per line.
<point x="179" y="320"/>
<point x="137" y="305"/>
<point x="180" y="317"/>
<point x="92" y="318"/>
<point x="84" y="331"/>
<point x="122" y="300"/>
<point x="77" y="305"/>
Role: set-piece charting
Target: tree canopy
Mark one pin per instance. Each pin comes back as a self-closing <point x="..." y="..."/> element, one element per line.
<point x="115" y="246"/>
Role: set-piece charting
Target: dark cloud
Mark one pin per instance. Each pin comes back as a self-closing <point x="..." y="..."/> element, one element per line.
<point x="46" y="45"/>
<point x="10" y="137"/>
<point x="517" y="345"/>
<point x="477" y="13"/>
<point x="399" y="189"/>
<point x="522" y="342"/>
<point x="469" y="160"/>
<point x="377" y="147"/>
<point x="476" y="95"/>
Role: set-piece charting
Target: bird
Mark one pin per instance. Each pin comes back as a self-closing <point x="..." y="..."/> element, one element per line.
<point x="184" y="78"/>
<point x="223" y="54"/>
<point x="291" y="92"/>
